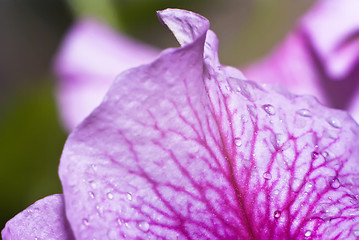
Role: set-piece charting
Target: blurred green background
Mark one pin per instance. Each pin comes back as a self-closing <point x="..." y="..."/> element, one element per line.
<point x="31" y="134"/>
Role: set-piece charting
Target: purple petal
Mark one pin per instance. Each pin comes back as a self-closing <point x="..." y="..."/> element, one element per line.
<point x="291" y="66"/>
<point x="184" y="148"/>
<point x="90" y="58"/>
<point x="354" y="105"/>
<point x="43" y="220"/>
<point x="322" y="49"/>
<point x="333" y="29"/>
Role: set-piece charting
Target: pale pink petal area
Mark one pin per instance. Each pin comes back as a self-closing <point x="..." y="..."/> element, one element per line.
<point x="88" y="61"/>
<point x="319" y="57"/>
<point x="184" y="148"/>
<point x="44" y="220"/>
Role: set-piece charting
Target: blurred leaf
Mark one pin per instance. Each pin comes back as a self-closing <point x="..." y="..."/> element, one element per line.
<point x="101" y="9"/>
<point x="267" y="25"/>
<point x="30" y="144"/>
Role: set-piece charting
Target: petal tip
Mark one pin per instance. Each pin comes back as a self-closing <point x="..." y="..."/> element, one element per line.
<point x="185" y="25"/>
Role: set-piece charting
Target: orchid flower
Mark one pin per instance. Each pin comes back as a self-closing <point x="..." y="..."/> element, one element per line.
<point x="186" y="148"/>
<point x="319" y="57"/>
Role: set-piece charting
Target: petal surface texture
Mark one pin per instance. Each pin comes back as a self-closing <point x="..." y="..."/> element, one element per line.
<point x="184" y="148"/>
<point x="319" y="57"/>
<point x="90" y="58"/>
<point x="44" y="220"/>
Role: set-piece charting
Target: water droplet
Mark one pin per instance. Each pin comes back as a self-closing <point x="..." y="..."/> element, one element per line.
<point x="277" y="214"/>
<point x="269" y="109"/>
<point x="334" y="182"/>
<point x="93" y="184"/>
<point x="85" y="221"/>
<point x="296" y="185"/>
<point x="330" y="211"/>
<point x="91" y="194"/>
<point x="109" y="195"/>
<point x="304" y="112"/>
<point x="278" y="141"/>
<point x="267" y="176"/>
<point x="252" y="110"/>
<point x="119" y="221"/>
<point x="129" y="196"/>
<point x="308" y="233"/>
<point x="355" y="232"/>
<point x="247" y="90"/>
<point x="334" y="122"/>
<point x="325" y="154"/>
<point x="276" y="192"/>
<point x="315" y="155"/>
<point x="282" y="161"/>
<point x="144" y="226"/>
<point x="94" y="167"/>
<point x="244" y="118"/>
<point x="99" y="209"/>
<point x="238" y="142"/>
<point x="238" y="89"/>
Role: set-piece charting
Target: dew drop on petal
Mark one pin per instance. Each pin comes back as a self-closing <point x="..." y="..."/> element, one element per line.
<point x="109" y="195"/>
<point x="308" y="233"/>
<point x="91" y="194"/>
<point x="277" y="214"/>
<point x="238" y="142"/>
<point x="129" y="196"/>
<point x="334" y="122"/>
<point x="304" y="112"/>
<point x="331" y="211"/>
<point x="269" y="109"/>
<point x="144" y="226"/>
<point x="99" y="209"/>
<point x="355" y="232"/>
<point x="94" y="167"/>
<point x="119" y="221"/>
<point x="85" y="221"/>
<point x="252" y="110"/>
<point x="267" y="176"/>
<point x="325" y="155"/>
<point x="247" y="91"/>
<point x="276" y="192"/>
<point x="238" y="89"/>
<point x="244" y="118"/>
<point x="296" y="185"/>
<point x="278" y="140"/>
<point x="334" y="182"/>
<point x="315" y="155"/>
<point x="93" y="184"/>
<point x="282" y="161"/>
